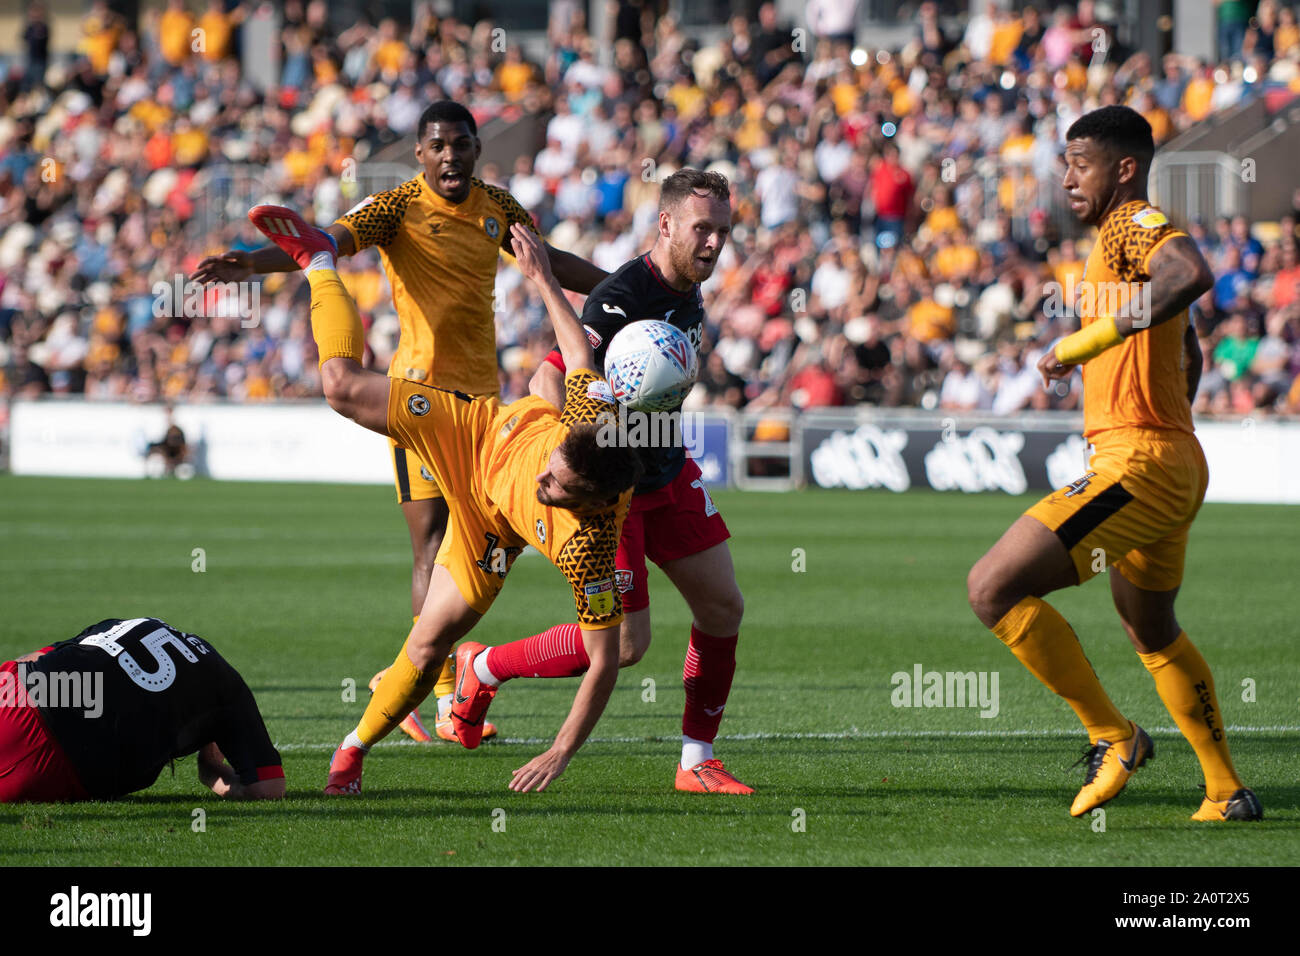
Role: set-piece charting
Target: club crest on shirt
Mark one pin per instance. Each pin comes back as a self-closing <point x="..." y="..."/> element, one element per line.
<point x="1151" y="218"/>
<point x="600" y="596"/>
<point x="418" y="405"/>
<point x="623" y="581"/>
<point x="492" y="227"/>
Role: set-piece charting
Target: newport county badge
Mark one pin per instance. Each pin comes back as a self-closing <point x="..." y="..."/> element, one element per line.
<point x="492" y="227"/>
<point x="418" y="404"/>
<point x="600" y="596"/>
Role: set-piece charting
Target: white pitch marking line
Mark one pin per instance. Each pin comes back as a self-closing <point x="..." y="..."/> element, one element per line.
<point x="843" y="735"/>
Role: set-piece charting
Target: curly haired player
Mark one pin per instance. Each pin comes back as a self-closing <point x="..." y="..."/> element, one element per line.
<point x="512" y="475"/>
<point x="439" y="236"/>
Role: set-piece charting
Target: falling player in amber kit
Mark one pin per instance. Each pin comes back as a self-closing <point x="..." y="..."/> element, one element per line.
<point x="1144" y="484"/>
<point x="439" y="236"/>
<point x="673" y="520"/>
<point x="513" y="475"/>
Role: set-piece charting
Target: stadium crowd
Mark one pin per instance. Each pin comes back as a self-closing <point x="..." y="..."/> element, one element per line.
<point x="898" y="217"/>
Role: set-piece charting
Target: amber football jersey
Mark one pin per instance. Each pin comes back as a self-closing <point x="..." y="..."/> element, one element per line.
<point x="441" y="260"/>
<point x="1142" y="382"/>
<point x="486" y="457"/>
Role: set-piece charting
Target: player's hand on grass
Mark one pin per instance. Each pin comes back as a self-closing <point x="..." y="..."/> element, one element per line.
<point x="530" y="255"/>
<point x="1051" y="369"/>
<point x="233" y="266"/>
<point x="538" y="773"/>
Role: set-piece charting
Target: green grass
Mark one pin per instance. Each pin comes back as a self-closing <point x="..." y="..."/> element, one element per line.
<point x="306" y="586"/>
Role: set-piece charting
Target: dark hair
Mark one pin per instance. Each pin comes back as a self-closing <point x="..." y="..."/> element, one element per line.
<point x="1119" y="129"/>
<point x="603" y="471"/>
<point x="446" y="111"/>
<point x="687" y="182"/>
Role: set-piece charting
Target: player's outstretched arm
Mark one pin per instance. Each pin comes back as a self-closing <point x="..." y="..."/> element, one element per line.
<point x="238" y="265"/>
<point x="588" y="704"/>
<point x="569" y="336"/>
<point x="574" y="272"/>
<point x="548" y="382"/>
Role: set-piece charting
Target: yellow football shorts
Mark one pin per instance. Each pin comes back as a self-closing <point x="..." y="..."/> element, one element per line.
<point x="1133" y="507"/>
<point x="413" y="480"/>
<point x="479" y="545"/>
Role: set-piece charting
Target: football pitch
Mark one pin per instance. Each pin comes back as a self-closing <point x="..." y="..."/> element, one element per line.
<point x="305" y="589"/>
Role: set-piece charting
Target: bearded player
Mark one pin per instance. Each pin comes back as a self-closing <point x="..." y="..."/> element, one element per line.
<point x="1146" y="479"/>
<point x="672" y="519"/>
<point x="512" y="475"/>
<point x="438" y="236"/>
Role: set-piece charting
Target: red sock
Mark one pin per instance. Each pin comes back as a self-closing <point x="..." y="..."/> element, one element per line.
<point x="557" y="652"/>
<point x="710" y="665"/>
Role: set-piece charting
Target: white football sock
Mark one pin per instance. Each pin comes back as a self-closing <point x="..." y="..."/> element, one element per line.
<point x="695" y="751"/>
<point x="322" y="260"/>
<point x="352" y="740"/>
<point x="483" y="672"/>
<point x="444" y="705"/>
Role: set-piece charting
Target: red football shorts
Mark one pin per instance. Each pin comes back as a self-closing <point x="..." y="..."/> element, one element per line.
<point x="672" y="522"/>
<point x="33" y="766"/>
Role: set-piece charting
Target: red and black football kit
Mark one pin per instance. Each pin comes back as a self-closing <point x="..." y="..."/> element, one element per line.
<point x="672" y="515"/>
<point x="148" y="694"/>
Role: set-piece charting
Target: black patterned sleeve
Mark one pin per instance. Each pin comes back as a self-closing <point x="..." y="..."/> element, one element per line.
<point x="376" y="220"/>
<point x="587" y="398"/>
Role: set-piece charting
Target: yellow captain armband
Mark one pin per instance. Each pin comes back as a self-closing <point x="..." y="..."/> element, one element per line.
<point x="1089" y="342"/>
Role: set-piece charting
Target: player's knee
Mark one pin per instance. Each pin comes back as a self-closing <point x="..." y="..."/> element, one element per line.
<point x="336" y="383"/>
<point x="986" y="596"/>
<point x="723" y="614"/>
<point x="629" y="653"/>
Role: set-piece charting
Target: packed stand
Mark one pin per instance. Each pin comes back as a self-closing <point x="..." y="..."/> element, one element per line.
<point x="898" y="218"/>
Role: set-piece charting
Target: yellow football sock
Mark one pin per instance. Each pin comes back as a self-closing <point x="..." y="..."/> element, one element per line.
<point x="1184" y="683"/>
<point x="446" y="680"/>
<point x="335" y="323"/>
<point x="1043" y="641"/>
<point x="402" y="689"/>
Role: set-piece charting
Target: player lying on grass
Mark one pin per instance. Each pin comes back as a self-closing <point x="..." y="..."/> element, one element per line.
<point x="512" y="475"/>
<point x="439" y="235"/>
<point x="1144" y="484"/>
<point x="98" y="716"/>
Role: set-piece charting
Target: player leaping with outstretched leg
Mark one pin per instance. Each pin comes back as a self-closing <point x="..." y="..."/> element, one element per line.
<point x="512" y="475"/>
<point x="1145" y="482"/>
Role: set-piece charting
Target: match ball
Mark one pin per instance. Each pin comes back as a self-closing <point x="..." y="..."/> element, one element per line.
<point x="651" y="366"/>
